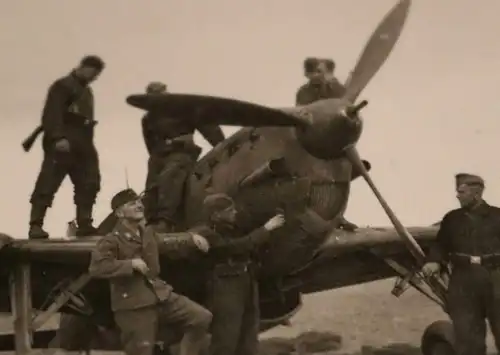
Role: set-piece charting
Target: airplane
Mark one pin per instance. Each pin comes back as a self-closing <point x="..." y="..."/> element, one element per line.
<point x="300" y="160"/>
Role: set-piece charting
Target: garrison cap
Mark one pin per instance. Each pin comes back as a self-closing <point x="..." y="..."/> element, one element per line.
<point x="156" y="87"/>
<point x="468" y="179"/>
<point x="92" y="61"/>
<point x="123" y="197"/>
<point x="216" y="202"/>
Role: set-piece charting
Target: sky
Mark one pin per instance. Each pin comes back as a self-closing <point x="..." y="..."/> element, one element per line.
<point x="433" y="108"/>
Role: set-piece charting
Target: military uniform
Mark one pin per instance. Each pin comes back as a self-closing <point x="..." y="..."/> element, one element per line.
<point x="68" y="113"/>
<point x="141" y="302"/>
<point x="233" y="289"/>
<point x="172" y="155"/>
<point x="469" y="241"/>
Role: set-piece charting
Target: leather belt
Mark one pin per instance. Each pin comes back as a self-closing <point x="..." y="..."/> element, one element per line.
<point x="486" y="260"/>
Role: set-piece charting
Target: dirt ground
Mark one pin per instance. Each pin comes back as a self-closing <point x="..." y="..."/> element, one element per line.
<point x="364" y="319"/>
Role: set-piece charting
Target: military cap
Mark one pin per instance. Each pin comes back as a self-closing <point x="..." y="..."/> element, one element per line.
<point x="216" y="202"/>
<point x="468" y="179"/>
<point x="123" y="197"/>
<point x="156" y="87"/>
<point x="92" y="61"/>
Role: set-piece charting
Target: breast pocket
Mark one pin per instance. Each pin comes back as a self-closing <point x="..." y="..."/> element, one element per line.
<point x="129" y="249"/>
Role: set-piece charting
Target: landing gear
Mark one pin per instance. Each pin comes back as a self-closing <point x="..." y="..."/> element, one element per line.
<point x="438" y="339"/>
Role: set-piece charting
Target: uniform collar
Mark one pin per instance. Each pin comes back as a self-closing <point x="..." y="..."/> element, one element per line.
<point x="481" y="209"/>
<point x="122" y="228"/>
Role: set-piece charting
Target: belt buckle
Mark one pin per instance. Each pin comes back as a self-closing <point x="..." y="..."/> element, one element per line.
<point x="475" y="259"/>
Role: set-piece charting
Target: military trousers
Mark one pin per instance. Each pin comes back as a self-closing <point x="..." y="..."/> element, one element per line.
<point x="82" y="166"/>
<point x="165" y="182"/>
<point x="234" y="302"/>
<point x="175" y="318"/>
<point x="474" y="297"/>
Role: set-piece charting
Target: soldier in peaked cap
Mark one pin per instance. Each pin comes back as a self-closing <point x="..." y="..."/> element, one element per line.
<point x="468" y="241"/>
<point x="172" y="155"/>
<point x="140" y="300"/>
<point x="68" y="146"/>
<point x="233" y="290"/>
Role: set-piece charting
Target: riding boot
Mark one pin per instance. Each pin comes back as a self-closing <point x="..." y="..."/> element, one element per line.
<point x="37" y="217"/>
<point x="84" y="221"/>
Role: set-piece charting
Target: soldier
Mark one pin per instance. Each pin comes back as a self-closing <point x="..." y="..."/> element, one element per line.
<point x="322" y="82"/>
<point x="140" y="300"/>
<point x="68" y="126"/>
<point x="233" y="291"/>
<point x="323" y="85"/>
<point x="172" y="155"/>
<point x="468" y="240"/>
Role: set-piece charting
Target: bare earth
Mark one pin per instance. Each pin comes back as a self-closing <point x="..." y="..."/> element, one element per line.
<point x="367" y="319"/>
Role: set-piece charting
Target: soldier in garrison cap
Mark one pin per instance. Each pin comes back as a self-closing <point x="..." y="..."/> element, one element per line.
<point x="233" y="290"/>
<point x="323" y="84"/>
<point x="68" y="146"/>
<point x="140" y="300"/>
<point x="172" y="155"/>
<point x="468" y="241"/>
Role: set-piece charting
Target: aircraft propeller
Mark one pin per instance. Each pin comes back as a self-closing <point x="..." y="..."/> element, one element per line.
<point x="375" y="53"/>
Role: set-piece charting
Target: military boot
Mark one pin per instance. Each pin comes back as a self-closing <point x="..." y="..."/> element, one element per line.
<point x="37" y="216"/>
<point x="84" y="221"/>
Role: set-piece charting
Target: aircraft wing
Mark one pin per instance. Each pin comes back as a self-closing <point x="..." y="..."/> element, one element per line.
<point x="340" y="241"/>
<point x="76" y="252"/>
<point x="368" y="254"/>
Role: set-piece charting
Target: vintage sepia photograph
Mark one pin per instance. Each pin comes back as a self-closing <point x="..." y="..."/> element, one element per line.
<point x="222" y="177"/>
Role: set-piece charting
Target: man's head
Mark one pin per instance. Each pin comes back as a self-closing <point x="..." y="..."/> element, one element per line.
<point x="127" y="205"/>
<point x="90" y="68"/>
<point x="219" y="208"/>
<point x="156" y="87"/>
<point x="318" y="70"/>
<point x="469" y="189"/>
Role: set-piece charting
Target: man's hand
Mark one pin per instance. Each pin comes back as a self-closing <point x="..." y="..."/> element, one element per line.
<point x="62" y="145"/>
<point x="139" y="265"/>
<point x="200" y="242"/>
<point x="431" y="268"/>
<point x="275" y="222"/>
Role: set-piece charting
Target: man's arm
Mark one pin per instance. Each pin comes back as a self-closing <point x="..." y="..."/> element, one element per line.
<point x="212" y="133"/>
<point x="439" y="252"/>
<point x="227" y="246"/>
<point x="104" y="263"/>
<point x="146" y="134"/>
<point x="302" y="97"/>
<point x="54" y="111"/>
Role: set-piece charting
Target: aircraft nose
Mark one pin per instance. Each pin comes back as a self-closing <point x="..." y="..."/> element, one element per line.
<point x="330" y="133"/>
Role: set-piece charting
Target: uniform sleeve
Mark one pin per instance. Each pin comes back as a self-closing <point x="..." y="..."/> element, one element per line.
<point x="54" y="111"/>
<point x="439" y="252"/>
<point x="146" y="134"/>
<point x="104" y="263"/>
<point x="91" y="104"/>
<point x="226" y="247"/>
<point x="338" y="90"/>
<point x="301" y="97"/>
<point x="212" y="133"/>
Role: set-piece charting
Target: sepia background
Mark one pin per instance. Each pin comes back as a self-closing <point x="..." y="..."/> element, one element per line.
<point x="433" y="108"/>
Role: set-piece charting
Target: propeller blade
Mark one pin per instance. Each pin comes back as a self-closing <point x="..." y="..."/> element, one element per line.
<point x="377" y="49"/>
<point x="201" y="109"/>
<point x="413" y="246"/>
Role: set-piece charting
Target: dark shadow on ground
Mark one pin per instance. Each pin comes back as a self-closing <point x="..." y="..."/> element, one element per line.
<point x="326" y="343"/>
